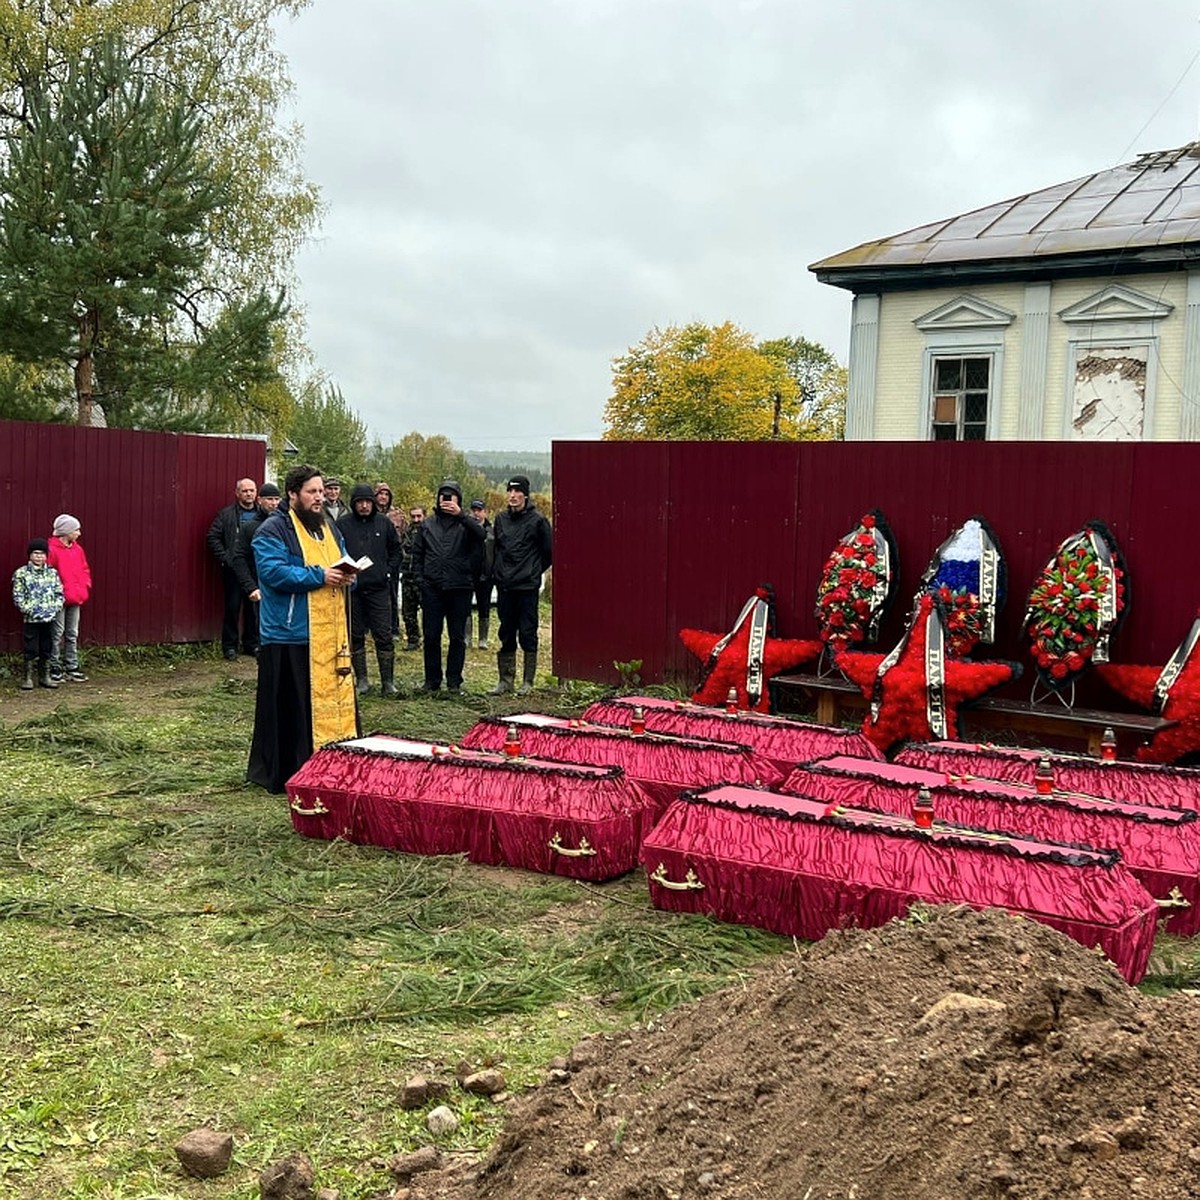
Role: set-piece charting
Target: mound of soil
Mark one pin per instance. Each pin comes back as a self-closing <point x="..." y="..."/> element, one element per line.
<point x="973" y="1055"/>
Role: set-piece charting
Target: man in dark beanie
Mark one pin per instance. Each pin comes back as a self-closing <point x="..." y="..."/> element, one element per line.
<point x="523" y="552"/>
<point x="443" y="552"/>
<point x="369" y="534"/>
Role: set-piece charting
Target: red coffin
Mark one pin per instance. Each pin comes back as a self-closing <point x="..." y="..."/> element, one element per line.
<point x="560" y="819"/>
<point x="1136" y="783"/>
<point x="784" y="742"/>
<point x="800" y="867"/>
<point x="1159" y="846"/>
<point x="663" y="765"/>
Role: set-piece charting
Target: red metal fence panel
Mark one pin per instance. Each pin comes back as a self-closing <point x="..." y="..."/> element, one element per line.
<point x="650" y="537"/>
<point x="145" y="501"/>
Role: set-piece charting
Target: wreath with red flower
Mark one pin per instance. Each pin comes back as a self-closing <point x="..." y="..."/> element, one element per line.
<point x="1076" y="605"/>
<point x="917" y="690"/>
<point x="963" y="617"/>
<point x="857" y="584"/>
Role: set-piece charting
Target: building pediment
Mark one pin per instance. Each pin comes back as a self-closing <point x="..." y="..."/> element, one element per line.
<point x="965" y="312"/>
<point x="1116" y="303"/>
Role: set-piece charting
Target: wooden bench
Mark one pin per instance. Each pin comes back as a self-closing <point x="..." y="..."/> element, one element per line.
<point x="835" y="697"/>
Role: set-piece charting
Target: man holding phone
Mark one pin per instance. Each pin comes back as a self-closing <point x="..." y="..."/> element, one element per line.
<point x="443" y="551"/>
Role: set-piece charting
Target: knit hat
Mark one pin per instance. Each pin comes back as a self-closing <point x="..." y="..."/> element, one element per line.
<point x="64" y="524"/>
<point x="38" y="544"/>
<point x="362" y="491"/>
<point x="518" y="483"/>
<point x="269" y="489"/>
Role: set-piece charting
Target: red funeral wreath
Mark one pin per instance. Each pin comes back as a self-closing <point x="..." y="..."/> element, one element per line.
<point x="908" y="702"/>
<point x="857" y="584"/>
<point x="727" y="658"/>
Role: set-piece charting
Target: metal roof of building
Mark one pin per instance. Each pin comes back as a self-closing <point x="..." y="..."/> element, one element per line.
<point x="1147" y="210"/>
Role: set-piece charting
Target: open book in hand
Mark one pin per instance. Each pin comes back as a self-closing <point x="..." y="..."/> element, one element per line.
<point x="352" y="566"/>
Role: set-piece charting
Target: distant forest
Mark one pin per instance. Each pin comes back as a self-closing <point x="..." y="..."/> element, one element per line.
<point x="498" y="465"/>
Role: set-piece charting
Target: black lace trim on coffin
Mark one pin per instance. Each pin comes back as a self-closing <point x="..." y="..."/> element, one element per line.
<point x="961" y="836"/>
<point x="1178" y="816"/>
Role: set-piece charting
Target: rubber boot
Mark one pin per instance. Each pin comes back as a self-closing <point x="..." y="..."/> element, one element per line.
<point x="529" y="674"/>
<point x="358" y="660"/>
<point x="44" y="679"/>
<point x="27" y="682"/>
<point x="506" y="663"/>
<point x="387" y="672"/>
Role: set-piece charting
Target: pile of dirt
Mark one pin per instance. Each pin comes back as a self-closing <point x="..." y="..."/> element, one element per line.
<point x="969" y="1055"/>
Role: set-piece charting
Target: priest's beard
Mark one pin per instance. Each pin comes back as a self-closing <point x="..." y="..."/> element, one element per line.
<point x="314" y="522"/>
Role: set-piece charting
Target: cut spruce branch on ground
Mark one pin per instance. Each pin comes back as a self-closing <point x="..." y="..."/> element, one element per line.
<point x="172" y="954"/>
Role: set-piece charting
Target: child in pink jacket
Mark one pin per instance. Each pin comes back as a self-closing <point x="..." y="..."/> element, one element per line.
<point x="68" y="559"/>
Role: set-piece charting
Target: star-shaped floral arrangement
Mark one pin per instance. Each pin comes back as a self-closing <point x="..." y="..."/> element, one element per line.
<point x="917" y="689"/>
<point x="1171" y="691"/>
<point x="746" y="657"/>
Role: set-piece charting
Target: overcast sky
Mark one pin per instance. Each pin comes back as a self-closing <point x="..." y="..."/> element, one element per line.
<point x="519" y="190"/>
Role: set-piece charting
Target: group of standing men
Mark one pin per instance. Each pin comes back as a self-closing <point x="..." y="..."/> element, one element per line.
<point x="306" y="617"/>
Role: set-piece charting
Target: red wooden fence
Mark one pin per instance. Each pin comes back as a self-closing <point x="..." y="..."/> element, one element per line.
<point x="145" y="501"/>
<point x="654" y="536"/>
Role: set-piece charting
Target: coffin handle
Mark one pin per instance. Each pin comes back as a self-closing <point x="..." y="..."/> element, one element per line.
<point x="1174" y="899"/>
<point x="584" y="850"/>
<point x="317" y="810"/>
<point x="691" y="882"/>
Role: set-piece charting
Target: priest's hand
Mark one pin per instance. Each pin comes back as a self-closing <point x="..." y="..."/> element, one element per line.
<point x="336" y="579"/>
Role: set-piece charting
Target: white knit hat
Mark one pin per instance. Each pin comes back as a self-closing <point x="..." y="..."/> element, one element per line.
<point x="64" y="524"/>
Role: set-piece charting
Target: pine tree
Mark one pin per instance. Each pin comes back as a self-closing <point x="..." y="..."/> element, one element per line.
<point x="104" y="197"/>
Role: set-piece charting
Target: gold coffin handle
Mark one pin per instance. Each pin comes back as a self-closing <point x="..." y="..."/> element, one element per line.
<point x="1174" y="899"/>
<point x="584" y="850"/>
<point x="317" y="810"/>
<point x="691" y="882"/>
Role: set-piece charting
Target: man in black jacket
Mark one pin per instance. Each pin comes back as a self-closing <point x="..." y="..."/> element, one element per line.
<point x="242" y="562"/>
<point x="524" y="551"/>
<point x="222" y="541"/>
<point x="443" y="553"/>
<point x="369" y="534"/>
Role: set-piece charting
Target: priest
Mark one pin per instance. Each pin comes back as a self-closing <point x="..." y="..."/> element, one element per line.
<point x="306" y="692"/>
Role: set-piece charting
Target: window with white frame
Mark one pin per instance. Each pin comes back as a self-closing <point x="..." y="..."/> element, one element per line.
<point x="961" y="394"/>
<point x="963" y="368"/>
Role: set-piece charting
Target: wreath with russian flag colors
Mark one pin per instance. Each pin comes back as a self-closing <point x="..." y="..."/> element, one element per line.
<point x="1076" y="604"/>
<point x="968" y="579"/>
<point x="857" y="584"/>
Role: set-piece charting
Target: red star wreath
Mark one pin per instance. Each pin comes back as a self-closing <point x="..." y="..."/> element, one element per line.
<point x="747" y="656"/>
<point x="1172" y="691"/>
<point x="917" y="689"/>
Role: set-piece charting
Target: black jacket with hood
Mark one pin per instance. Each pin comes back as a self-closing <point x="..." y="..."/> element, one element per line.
<point x="524" y="548"/>
<point x="373" y="537"/>
<point x="446" y="546"/>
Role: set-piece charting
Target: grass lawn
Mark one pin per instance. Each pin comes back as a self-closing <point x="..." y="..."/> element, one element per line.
<point x="172" y="954"/>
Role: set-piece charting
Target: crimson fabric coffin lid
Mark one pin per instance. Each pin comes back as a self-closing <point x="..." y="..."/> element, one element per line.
<point x="784" y="742"/>
<point x="1137" y="783"/>
<point x="663" y="764"/>
<point x="560" y="819"/>
<point x="1160" y="846"/>
<point x="801" y="867"/>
